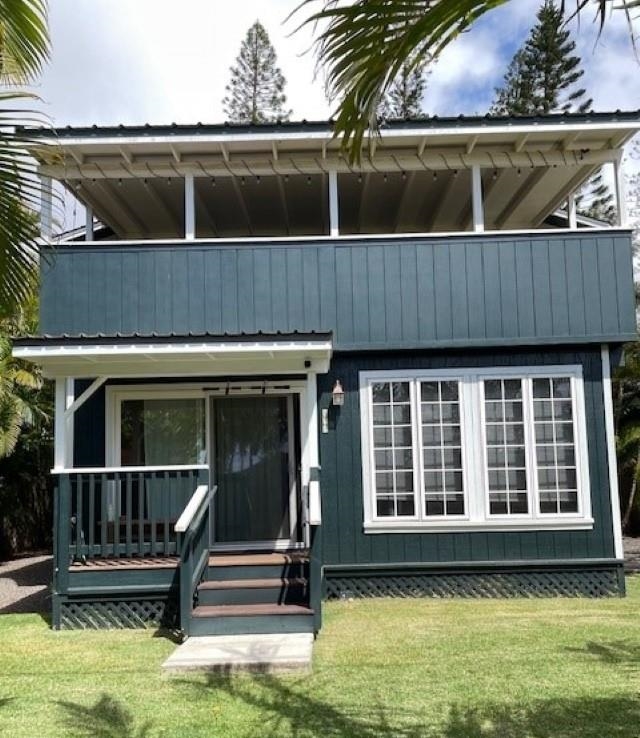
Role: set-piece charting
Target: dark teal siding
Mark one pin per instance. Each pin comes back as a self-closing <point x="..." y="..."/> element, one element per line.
<point x="381" y="293"/>
<point x="344" y="542"/>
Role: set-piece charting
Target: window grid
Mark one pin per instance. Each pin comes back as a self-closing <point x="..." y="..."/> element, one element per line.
<point x="392" y="399"/>
<point x="441" y="437"/>
<point x="555" y="457"/>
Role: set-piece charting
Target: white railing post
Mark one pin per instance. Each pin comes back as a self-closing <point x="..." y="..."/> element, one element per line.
<point x="571" y="212"/>
<point x="59" y="425"/>
<point x="46" y="207"/>
<point x="69" y="422"/>
<point x="88" y="223"/>
<point x="476" y="198"/>
<point x="621" y="203"/>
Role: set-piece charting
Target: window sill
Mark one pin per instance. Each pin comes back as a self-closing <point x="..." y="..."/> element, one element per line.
<point x="466" y="526"/>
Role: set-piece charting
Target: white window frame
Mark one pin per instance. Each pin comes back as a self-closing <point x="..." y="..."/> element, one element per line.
<point x="471" y="398"/>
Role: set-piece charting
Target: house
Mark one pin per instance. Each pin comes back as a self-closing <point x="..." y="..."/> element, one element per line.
<point x="282" y="377"/>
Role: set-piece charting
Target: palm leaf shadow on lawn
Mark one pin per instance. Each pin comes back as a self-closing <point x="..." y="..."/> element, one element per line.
<point x="108" y="718"/>
<point x="614" y="653"/>
<point x="286" y="710"/>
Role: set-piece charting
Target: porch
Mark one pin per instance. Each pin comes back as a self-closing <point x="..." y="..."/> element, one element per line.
<point x="193" y="466"/>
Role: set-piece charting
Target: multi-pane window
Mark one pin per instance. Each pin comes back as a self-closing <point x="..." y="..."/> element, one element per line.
<point x="474" y="446"/>
<point x="555" y="445"/>
<point x="505" y="447"/>
<point x="393" y="449"/>
<point x="441" y="448"/>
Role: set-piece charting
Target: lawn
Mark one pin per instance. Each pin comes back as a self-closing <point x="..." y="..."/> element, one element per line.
<point x="403" y="668"/>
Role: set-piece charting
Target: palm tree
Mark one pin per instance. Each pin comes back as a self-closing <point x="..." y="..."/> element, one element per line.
<point x="24" y="47"/>
<point x="363" y="46"/>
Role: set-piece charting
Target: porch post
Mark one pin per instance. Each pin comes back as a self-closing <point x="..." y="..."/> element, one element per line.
<point x="46" y="207"/>
<point x="189" y="208"/>
<point x="334" y="214"/>
<point x="312" y="457"/>
<point x="477" y="205"/>
<point x="571" y="211"/>
<point x="621" y="203"/>
<point x="88" y="222"/>
<point x="59" y="425"/>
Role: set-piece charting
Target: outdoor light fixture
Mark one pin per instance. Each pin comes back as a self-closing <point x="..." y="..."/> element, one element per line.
<point x="337" y="394"/>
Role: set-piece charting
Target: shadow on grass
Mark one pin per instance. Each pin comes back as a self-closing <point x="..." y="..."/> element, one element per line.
<point x="108" y="718"/>
<point x="614" y="653"/>
<point x="288" y="708"/>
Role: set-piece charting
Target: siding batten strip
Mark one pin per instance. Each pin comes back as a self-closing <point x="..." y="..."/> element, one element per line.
<point x="611" y="452"/>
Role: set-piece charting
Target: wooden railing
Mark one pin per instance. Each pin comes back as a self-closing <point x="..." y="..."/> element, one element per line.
<point x="124" y="511"/>
<point x="193" y="527"/>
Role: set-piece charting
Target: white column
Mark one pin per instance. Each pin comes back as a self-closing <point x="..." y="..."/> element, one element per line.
<point x="68" y="421"/>
<point x="46" y="207"/>
<point x="334" y="213"/>
<point x="189" y="208"/>
<point x="59" y="425"/>
<point x="621" y="203"/>
<point x="571" y="211"/>
<point x="310" y="452"/>
<point x="476" y="198"/>
<point x="88" y="222"/>
<point x="611" y="452"/>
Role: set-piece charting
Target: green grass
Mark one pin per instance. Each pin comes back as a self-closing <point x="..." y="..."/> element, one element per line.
<point x="554" y="668"/>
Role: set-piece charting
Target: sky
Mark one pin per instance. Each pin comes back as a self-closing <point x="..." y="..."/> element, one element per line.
<point x="158" y="61"/>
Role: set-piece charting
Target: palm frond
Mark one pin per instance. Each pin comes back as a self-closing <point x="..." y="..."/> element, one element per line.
<point x="362" y="46"/>
<point x="24" y="39"/>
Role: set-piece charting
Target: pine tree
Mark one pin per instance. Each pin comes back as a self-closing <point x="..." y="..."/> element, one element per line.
<point x="404" y="98"/>
<point x="543" y="77"/>
<point x="255" y="93"/>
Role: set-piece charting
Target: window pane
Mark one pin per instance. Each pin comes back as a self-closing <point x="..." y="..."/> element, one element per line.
<point x="555" y="449"/>
<point x="385" y="507"/>
<point x="443" y="486"/>
<point x="380" y="392"/>
<point x="382" y="437"/>
<point x="162" y="432"/>
<point x="401" y="392"/>
<point x="541" y="388"/>
<point x="381" y="414"/>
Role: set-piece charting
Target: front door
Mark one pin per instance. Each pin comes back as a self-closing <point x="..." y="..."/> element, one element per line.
<point x="253" y="467"/>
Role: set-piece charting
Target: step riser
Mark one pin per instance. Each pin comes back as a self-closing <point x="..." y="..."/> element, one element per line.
<point x="265" y="571"/>
<point x="238" y="625"/>
<point x="253" y="596"/>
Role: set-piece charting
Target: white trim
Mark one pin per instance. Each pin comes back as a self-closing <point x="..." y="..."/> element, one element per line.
<point x="621" y="200"/>
<point x="184" y="521"/>
<point x="79" y="401"/>
<point x="266" y="240"/>
<point x="69" y="421"/>
<point x="614" y="492"/>
<point x="46" y="206"/>
<point x="477" y="516"/>
<point x="88" y="215"/>
<point x="572" y="212"/>
<point x="59" y="432"/>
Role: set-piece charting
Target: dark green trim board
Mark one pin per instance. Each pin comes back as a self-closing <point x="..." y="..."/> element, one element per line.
<point x="372" y="294"/>
<point x="344" y="542"/>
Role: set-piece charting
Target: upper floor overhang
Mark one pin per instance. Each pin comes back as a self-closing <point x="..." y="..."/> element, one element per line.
<point x="269" y="179"/>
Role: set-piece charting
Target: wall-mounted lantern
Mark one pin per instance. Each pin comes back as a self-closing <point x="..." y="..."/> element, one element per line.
<point x="337" y="394"/>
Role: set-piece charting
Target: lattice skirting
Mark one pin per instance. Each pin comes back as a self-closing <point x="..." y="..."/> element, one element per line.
<point x="569" y="583"/>
<point x="123" y="613"/>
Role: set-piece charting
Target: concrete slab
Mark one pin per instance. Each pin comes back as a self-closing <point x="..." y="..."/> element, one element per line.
<point x="271" y="652"/>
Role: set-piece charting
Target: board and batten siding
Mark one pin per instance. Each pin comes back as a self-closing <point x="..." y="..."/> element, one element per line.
<point x="469" y="290"/>
<point x="345" y="544"/>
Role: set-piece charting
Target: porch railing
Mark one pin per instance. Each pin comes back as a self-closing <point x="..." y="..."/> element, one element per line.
<point x="121" y="512"/>
<point x="193" y="527"/>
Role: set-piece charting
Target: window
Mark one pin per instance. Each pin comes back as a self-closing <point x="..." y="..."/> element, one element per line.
<point x="156" y="429"/>
<point x="499" y="448"/>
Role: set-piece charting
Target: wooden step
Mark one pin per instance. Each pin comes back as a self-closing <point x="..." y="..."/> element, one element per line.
<point x="274" y="558"/>
<point x="253" y="583"/>
<point x="220" y="611"/>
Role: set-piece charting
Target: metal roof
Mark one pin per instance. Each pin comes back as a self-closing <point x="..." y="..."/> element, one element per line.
<point x="305" y="126"/>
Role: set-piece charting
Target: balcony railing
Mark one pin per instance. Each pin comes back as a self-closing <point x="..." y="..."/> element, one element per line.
<point x="121" y="512"/>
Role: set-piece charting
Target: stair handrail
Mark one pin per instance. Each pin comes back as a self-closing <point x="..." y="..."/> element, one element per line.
<point x="192" y="526"/>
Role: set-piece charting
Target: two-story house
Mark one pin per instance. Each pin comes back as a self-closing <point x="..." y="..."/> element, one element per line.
<point x="281" y="377"/>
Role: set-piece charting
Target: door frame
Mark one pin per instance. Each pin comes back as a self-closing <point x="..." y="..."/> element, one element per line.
<point x="295" y="538"/>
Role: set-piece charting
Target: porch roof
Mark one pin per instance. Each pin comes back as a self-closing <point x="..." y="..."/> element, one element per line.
<point x="177" y="355"/>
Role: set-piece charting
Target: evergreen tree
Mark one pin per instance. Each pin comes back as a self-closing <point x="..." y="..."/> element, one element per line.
<point x="404" y="98"/>
<point x="544" y="77"/>
<point x="255" y="93"/>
